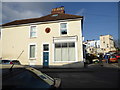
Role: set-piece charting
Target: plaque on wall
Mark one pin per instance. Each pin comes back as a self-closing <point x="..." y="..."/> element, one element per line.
<point x="47" y="30"/>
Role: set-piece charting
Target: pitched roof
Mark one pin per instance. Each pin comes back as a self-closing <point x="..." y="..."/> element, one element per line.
<point x="50" y="17"/>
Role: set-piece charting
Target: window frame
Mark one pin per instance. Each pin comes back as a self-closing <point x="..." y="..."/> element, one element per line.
<point x="46" y="50"/>
<point x="75" y="47"/>
<point x="30" y="36"/>
<point x="30" y="50"/>
<point x="63" y="28"/>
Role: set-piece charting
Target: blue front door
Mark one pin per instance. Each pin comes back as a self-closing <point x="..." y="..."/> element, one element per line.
<point x="45" y="55"/>
<point x="45" y="59"/>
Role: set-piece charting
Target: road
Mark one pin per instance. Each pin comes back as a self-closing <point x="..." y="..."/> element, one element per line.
<point x="23" y="78"/>
<point x="94" y="76"/>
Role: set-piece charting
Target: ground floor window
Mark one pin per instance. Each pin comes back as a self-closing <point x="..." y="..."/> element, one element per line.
<point x="65" y="51"/>
<point x="32" y="51"/>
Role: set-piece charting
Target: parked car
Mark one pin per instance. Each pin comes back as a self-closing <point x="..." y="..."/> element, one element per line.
<point x="95" y="60"/>
<point x="16" y="62"/>
<point x="112" y="59"/>
<point x="26" y="77"/>
<point x="9" y="62"/>
<point x="117" y="55"/>
<point x="5" y="62"/>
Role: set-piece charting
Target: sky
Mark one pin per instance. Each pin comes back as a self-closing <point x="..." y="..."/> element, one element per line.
<point x="100" y="18"/>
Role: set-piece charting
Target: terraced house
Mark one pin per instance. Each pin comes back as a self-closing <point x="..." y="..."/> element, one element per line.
<point x="51" y="40"/>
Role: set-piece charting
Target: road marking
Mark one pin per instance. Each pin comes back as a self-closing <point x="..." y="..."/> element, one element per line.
<point x="92" y="64"/>
<point x="115" y="65"/>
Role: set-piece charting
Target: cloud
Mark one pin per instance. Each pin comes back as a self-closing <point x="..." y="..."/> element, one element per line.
<point x="22" y="10"/>
<point x="81" y="12"/>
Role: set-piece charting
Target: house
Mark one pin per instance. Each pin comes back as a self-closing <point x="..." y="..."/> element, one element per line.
<point x="107" y="43"/>
<point x="103" y="45"/>
<point x="93" y="43"/>
<point x="51" y="40"/>
<point x="92" y="46"/>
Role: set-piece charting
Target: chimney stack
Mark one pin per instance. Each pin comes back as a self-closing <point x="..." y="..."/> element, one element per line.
<point x="58" y="10"/>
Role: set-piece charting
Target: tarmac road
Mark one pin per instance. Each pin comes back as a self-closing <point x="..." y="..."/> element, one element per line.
<point x="94" y="76"/>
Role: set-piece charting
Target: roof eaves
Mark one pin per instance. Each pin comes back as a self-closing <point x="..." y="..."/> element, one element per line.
<point x="42" y="20"/>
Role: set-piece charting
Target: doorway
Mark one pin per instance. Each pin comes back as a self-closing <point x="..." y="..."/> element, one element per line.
<point x="45" y="55"/>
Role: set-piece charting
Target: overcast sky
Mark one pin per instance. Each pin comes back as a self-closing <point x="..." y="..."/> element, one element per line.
<point x="100" y="18"/>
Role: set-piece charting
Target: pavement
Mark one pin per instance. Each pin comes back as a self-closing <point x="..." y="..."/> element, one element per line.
<point x="89" y="68"/>
<point x="112" y="65"/>
<point x="115" y="65"/>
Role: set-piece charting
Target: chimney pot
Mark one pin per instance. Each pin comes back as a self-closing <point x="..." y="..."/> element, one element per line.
<point x="58" y="10"/>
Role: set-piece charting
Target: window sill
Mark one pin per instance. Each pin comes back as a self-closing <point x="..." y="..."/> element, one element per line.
<point x="32" y="58"/>
<point x="32" y="37"/>
<point x="64" y="61"/>
<point x="64" y="35"/>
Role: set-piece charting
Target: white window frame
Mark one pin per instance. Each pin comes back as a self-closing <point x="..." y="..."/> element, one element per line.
<point x="1" y="33"/>
<point x="30" y="31"/>
<point x="63" y="40"/>
<point x="60" y="28"/>
<point x="35" y="51"/>
<point x="76" y="55"/>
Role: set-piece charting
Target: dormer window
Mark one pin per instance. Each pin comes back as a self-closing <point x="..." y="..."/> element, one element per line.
<point x="63" y="28"/>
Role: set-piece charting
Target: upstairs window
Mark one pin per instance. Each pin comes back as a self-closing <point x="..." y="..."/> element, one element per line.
<point x="63" y="28"/>
<point x="107" y="46"/>
<point x="33" y="31"/>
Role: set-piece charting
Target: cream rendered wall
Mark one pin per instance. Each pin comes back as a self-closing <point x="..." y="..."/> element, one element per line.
<point x="16" y="39"/>
<point x="0" y="48"/>
<point x="75" y="29"/>
<point x="0" y="44"/>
